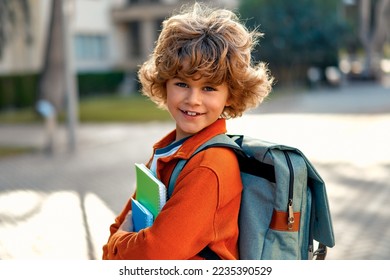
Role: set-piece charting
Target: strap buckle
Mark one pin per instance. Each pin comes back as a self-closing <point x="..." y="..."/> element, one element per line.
<point x="320" y="253"/>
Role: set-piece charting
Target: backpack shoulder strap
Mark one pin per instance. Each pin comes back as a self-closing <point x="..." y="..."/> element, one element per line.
<point x="220" y="140"/>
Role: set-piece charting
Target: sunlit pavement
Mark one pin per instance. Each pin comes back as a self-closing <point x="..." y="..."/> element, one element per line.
<point x="61" y="206"/>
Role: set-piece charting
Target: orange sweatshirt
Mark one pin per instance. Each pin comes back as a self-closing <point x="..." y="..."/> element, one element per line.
<point x="202" y="211"/>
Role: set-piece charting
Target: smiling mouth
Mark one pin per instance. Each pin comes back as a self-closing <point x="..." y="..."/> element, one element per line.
<point x="191" y="114"/>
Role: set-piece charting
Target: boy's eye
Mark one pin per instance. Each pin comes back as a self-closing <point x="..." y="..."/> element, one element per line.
<point x="209" y="89"/>
<point x="180" y="84"/>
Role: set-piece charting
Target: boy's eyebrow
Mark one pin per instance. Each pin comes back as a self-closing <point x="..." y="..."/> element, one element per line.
<point x="183" y="78"/>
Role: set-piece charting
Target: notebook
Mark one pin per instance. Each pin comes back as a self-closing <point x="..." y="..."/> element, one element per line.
<point x="142" y="217"/>
<point x="150" y="191"/>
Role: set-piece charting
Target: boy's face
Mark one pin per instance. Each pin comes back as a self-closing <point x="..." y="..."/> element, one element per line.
<point x="195" y="103"/>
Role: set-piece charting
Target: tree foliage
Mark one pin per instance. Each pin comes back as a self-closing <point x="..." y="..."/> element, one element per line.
<point x="298" y="34"/>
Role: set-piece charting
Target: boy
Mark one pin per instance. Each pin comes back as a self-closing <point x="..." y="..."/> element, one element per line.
<point x="201" y="71"/>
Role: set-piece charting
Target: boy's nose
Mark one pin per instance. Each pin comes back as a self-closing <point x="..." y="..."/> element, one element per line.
<point x="194" y="97"/>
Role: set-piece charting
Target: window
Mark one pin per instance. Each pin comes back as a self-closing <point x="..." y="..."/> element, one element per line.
<point x="135" y="39"/>
<point x="91" y="47"/>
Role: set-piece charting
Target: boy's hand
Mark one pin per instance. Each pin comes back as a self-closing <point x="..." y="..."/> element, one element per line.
<point x="127" y="224"/>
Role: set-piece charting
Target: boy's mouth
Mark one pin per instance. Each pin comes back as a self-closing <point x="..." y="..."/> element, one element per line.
<point x="190" y="113"/>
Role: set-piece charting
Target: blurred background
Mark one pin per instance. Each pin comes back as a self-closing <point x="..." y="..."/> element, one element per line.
<point x="73" y="122"/>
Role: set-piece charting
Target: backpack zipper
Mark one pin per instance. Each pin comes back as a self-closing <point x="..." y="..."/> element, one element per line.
<point x="290" y="210"/>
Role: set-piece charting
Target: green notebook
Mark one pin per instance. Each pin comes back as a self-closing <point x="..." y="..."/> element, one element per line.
<point x="150" y="191"/>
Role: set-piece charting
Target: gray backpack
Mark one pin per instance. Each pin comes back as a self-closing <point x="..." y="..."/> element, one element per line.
<point x="284" y="206"/>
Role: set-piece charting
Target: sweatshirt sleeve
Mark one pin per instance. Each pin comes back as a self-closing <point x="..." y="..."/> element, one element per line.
<point x="182" y="229"/>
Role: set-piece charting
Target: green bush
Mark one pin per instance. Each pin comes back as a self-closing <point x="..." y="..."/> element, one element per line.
<point x="21" y="90"/>
<point x="18" y="91"/>
<point x="99" y="83"/>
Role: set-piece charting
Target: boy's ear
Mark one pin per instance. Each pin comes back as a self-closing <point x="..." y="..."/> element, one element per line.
<point x="228" y="101"/>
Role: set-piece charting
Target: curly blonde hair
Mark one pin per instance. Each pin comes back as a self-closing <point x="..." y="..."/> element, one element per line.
<point x="214" y="44"/>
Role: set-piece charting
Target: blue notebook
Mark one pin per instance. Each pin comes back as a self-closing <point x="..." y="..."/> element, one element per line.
<point x="142" y="217"/>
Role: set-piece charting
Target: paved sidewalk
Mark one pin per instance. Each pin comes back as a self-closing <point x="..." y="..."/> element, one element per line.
<point x="60" y="206"/>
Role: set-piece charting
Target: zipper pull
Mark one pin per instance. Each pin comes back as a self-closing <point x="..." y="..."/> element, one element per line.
<point x="290" y="220"/>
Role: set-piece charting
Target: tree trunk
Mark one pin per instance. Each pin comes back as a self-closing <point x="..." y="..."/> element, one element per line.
<point x="365" y="33"/>
<point x="383" y="22"/>
<point x="52" y="84"/>
<point x="373" y="32"/>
